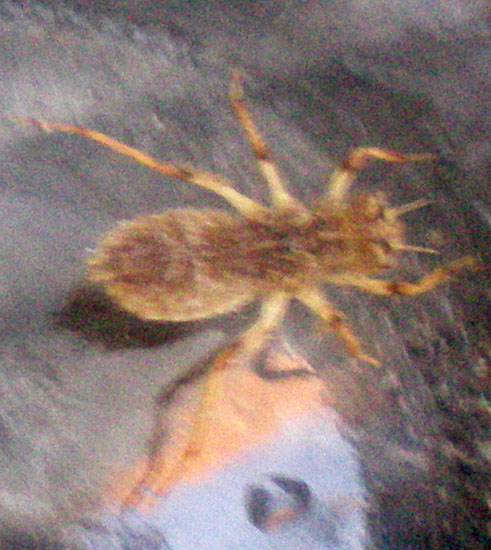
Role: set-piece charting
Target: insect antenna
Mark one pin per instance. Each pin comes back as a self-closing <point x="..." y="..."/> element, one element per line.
<point x="422" y="249"/>
<point x="397" y="211"/>
<point x="393" y="213"/>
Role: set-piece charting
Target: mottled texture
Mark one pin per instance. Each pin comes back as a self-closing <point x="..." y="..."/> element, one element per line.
<point x="322" y="77"/>
<point x="165" y="266"/>
<point x="187" y="264"/>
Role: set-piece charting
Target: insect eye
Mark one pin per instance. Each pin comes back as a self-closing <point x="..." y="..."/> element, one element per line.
<point x="385" y="246"/>
<point x="375" y="208"/>
<point x="379" y="212"/>
<point x="384" y="252"/>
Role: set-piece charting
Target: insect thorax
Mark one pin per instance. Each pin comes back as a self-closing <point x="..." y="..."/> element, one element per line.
<point x="368" y="236"/>
<point x="190" y="248"/>
<point x="289" y="250"/>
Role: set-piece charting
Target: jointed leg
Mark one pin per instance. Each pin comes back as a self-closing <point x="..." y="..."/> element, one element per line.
<point x="162" y="476"/>
<point x="391" y="288"/>
<point x="356" y="159"/>
<point x="213" y="182"/>
<point x="280" y="198"/>
<point x="248" y="346"/>
<point x="316" y="301"/>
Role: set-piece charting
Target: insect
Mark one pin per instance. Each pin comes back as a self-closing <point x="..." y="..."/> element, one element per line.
<point x="186" y="264"/>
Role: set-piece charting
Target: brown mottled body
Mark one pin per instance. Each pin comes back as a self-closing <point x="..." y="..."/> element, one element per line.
<point x="187" y="264"/>
<point x="174" y="266"/>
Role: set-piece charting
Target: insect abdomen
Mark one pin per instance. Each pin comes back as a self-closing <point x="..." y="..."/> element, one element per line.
<point x="161" y="267"/>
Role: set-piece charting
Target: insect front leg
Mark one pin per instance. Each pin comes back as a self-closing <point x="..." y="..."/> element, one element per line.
<point x="356" y="159"/>
<point x="393" y="287"/>
<point x="315" y="300"/>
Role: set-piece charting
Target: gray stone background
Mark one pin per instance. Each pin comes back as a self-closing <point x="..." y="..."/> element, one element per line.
<point x="79" y="380"/>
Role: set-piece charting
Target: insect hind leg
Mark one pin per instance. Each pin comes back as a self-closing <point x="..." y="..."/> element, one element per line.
<point x="162" y="476"/>
<point x="213" y="182"/>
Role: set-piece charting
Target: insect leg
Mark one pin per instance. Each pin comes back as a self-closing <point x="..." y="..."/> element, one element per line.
<point x="356" y="159"/>
<point x="213" y="182"/>
<point x="315" y="300"/>
<point x="244" y="350"/>
<point x="162" y="476"/>
<point x="391" y="288"/>
<point x="280" y="197"/>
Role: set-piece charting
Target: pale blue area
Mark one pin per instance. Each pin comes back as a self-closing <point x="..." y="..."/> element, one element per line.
<point x="213" y="514"/>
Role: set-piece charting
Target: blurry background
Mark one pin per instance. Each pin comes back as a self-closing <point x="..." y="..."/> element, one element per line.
<point x="79" y="380"/>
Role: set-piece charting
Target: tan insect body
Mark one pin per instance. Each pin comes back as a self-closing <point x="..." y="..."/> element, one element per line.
<point x="186" y="264"/>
